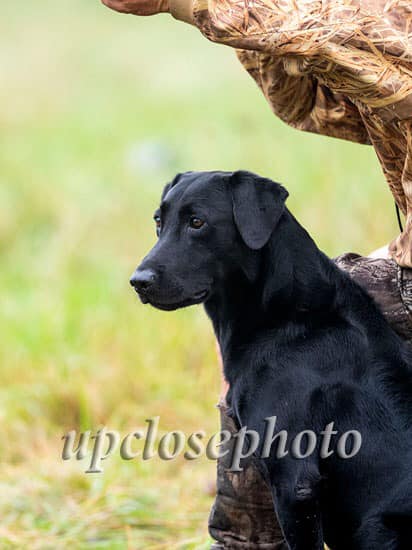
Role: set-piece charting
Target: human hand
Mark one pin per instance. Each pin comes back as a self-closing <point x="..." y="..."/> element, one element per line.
<point x="138" y="7"/>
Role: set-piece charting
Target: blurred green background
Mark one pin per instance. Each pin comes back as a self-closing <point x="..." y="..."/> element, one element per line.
<point x="97" y="111"/>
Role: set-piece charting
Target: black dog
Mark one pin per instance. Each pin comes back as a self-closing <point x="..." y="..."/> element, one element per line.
<point x="299" y="340"/>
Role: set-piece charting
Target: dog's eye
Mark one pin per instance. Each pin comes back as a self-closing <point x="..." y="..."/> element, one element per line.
<point x="196" y="223"/>
<point x="158" y="223"/>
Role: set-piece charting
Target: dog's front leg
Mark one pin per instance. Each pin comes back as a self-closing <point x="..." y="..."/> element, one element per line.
<point x="298" y="510"/>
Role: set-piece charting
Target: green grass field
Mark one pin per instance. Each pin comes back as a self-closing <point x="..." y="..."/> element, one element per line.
<point x="97" y="112"/>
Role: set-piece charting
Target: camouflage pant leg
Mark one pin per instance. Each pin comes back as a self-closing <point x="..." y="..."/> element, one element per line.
<point x="390" y="286"/>
<point x="242" y="516"/>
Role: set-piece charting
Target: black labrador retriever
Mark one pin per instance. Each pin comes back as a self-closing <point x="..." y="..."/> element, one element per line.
<point x="300" y="340"/>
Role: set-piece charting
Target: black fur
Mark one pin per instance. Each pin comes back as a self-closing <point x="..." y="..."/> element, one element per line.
<point x="299" y="340"/>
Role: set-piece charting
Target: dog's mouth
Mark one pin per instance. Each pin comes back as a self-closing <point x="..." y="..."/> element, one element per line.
<point x="197" y="298"/>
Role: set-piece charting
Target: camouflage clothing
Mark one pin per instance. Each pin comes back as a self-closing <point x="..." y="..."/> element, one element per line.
<point x="342" y="68"/>
<point x="242" y="516"/>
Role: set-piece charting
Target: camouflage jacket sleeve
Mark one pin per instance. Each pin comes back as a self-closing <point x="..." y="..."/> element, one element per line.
<point x="301" y="100"/>
<point x="329" y="56"/>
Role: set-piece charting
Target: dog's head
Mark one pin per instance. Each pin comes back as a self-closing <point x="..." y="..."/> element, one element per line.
<point x="209" y="224"/>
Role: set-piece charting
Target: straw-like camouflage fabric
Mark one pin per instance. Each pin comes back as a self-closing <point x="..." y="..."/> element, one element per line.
<point x="341" y="68"/>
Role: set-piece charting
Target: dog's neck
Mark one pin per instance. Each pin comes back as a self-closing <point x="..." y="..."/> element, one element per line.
<point x="292" y="283"/>
<point x="297" y="291"/>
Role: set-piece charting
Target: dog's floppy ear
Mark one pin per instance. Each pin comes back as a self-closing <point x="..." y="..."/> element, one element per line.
<point x="258" y="204"/>
<point x="168" y="186"/>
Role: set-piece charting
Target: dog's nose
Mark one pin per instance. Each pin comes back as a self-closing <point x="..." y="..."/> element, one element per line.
<point x="143" y="279"/>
